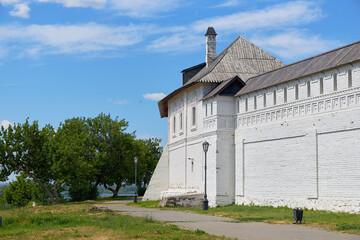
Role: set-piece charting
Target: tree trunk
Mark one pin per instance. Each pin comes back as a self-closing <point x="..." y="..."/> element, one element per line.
<point x="114" y="191"/>
<point x="51" y="196"/>
<point x="118" y="186"/>
<point x="57" y="199"/>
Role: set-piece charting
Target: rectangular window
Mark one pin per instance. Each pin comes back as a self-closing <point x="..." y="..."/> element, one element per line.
<point x="296" y="91"/>
<point x="264" y="99"/>
<point x="321" y="86"/>
<point x="174" y="125"/>
<point x="274" y="95"/>
<point x="181" y="121"/>
<point x="246" y="105"/>
<point x="335" y="82"/>
<point x="193" y="116"/>
<point x="285" y="94"/>
<point x="211" y="109"/>
<point x="255" y="104"/>
<point x="349" y="79"/>
<point x="206" y="110"/>
<point x="308" y="88"/>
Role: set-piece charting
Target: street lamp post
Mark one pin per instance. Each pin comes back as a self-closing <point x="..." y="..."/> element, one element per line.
<point x="205" y="202"/>
<point x="135" y="193"/>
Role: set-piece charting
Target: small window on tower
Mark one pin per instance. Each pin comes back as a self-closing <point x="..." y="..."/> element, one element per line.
<point x="174" y="125"/>
<point x="181" y="121"/>
<point x="193" y="116"/>
<point x="296" y="91"/>
<point x="285" y="94"/>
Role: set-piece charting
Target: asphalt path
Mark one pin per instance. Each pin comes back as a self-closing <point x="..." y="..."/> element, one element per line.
<point x="222" y="226"/>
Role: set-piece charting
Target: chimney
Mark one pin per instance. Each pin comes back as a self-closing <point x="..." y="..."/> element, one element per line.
<point x="210" y="45"/>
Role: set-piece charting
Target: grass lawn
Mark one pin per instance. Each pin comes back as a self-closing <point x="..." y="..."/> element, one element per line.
<point x="72" y="221"/>
<point x="340" y="222"/>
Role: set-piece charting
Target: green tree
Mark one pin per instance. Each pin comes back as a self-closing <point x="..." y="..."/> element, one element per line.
<point x="23" y="150"/>
<point x="116" y="150"/>
<point x="151" y="153"/>
<point x="75" y="158"/>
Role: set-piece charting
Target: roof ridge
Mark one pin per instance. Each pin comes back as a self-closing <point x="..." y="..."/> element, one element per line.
<point x="318" y="55"/>
<point x="216" y="61"/>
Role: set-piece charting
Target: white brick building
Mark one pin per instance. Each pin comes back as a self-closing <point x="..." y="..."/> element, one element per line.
<point x="280" y="135"/>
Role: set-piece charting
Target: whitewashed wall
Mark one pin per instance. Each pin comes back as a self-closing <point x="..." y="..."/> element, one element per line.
<point x="302" y="153"/>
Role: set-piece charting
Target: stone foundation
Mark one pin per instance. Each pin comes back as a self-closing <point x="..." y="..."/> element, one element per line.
<point x="188" y="200"/>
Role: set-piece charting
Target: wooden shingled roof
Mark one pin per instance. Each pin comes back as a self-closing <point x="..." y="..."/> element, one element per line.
<point x="306" y="67"/>
<point x="241" y="58"/>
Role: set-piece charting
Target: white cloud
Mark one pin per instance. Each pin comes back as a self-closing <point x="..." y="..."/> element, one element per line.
<point x="20" y="10"/>
<point x="6" y="123"/>
<point x="229" y="3"/>
<point x="278" y="16"/>
<point x="120" y="102"/>
<point x="143" y="8"/>
<point x="177" y="43"/>
<point x="294" y="44"/>
<point x="79" y="3"/>
<point x="70" y="39"/>
<point x="154" y="96"/>
<point x="8" y="2"/>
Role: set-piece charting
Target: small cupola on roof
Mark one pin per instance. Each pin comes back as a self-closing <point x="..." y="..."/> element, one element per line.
<point x="210" y="45"/>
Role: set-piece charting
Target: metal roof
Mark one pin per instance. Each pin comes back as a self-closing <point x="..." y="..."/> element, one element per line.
<point x="306" y="67"/>
<point x="219" y="88"/>
<point x="210" y="31"/>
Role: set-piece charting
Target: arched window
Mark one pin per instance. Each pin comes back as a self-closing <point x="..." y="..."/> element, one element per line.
<point x="296" y="91"/>
<point x="321" y="86"/>
<point x="349" y="78"/>
<point x="265" y="99"/>
<point x="274" y="95"/>
<point x="335" y="81"/>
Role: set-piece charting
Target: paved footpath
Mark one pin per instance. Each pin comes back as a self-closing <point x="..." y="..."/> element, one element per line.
<point x="222" y="226"/>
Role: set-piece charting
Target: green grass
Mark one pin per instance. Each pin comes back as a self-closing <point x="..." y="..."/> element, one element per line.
<point x="341" y="222"/>
<point x="72" y="221"/>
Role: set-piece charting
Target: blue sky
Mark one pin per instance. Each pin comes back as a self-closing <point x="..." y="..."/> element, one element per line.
<point x="65" y="58"/>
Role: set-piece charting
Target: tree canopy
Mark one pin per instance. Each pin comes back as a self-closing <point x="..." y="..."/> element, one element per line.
<point x="81" y="154"/>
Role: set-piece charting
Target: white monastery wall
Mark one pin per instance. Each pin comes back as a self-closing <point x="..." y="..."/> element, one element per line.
<point x="186" y="160"/>
<point x="160" y="179"/>
<point x="219" y="132"/>
<point x="302" y="150"/>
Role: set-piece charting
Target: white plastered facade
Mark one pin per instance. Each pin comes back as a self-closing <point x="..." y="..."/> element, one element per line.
<point x="299" y="148"/>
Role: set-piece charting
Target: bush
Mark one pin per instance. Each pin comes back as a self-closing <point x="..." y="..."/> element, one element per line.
<point x="24" y="190"/>
<point x="141" y="191"/>
<point x="80" y="191"/>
